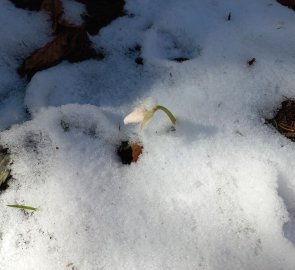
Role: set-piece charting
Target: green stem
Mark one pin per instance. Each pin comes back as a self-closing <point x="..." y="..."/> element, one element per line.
<point x="170" y="115"/>
<point x="22" y="207"/>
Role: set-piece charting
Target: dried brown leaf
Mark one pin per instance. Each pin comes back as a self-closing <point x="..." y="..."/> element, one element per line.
<point x="136" y="151"/>
<point x="72" y="44"/>
<point x="55" y="10"/>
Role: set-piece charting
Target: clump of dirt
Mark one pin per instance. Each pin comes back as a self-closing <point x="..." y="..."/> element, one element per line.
<point x="139" y="61"/>
<point x="288" y="3"/>
<point x="180" y="59"/>
<point x="284" y="120"/>
<point x="135" y="51"/>
<point x="252" y="61"/>
<point x="129" y="152"/>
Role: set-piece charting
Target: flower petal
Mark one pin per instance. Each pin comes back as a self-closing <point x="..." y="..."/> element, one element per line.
<point x="136" y="116"/>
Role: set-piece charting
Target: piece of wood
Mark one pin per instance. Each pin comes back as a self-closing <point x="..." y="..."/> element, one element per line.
<point x="4" y="167"/>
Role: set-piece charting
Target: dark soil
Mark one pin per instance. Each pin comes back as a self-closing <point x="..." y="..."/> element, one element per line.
<point x="252" y="61"/>
<point x="180" y="59"/>
<point x="135" y="49"/>
<point x="129" y="153"/>
<point x="288" y="3"/>
<point x="100" y="13"/>
<point x="139" y="61"/>
<point x="28" y="4"/>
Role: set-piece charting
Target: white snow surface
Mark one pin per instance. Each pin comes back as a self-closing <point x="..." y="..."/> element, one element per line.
<point x="21" y="32"/>
<point x="216" y="193"/>
<point x="73" y="11"/>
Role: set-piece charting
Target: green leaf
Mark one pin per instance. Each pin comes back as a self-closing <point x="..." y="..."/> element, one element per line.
<point x="22" y="207"/>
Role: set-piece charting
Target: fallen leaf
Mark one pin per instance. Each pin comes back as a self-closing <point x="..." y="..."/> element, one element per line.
<point x="136" y="151"/>
<point x="72" y="44"/>
<point x="55" y="10"/>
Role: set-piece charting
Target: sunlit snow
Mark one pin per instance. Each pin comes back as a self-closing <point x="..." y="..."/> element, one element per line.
<point x="216" y="193"/>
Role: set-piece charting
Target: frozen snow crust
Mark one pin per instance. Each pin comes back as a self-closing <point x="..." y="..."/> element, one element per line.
<point x="217" y="193"/>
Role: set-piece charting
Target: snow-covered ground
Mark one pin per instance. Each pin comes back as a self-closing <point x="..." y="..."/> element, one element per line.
<point x="218" y="193"/>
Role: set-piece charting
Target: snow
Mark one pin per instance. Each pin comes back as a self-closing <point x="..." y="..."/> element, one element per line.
<point x="216" y="193"/>
<point x="73" y="11"/>
<point x="21" y="32"/>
